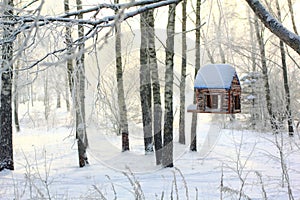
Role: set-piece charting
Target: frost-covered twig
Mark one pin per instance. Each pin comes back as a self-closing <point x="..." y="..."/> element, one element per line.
<point x="264" y="193"/>
<point x="27" y="22"/>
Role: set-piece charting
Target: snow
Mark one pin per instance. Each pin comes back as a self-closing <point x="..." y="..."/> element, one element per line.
<point x="251" y="97"/>
<point x="215" y="76"/>
<point x="46" y="163"/>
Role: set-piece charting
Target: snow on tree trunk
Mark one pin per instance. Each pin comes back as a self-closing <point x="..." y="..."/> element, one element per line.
<point x="6" y="143"/>
<point x="168" y="117"/>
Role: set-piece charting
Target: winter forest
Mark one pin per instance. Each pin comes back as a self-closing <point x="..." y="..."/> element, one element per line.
<point x="96" y="98"/>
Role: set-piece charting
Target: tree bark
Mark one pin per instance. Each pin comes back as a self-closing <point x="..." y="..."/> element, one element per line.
<point x="68" y="37"/>
<point x="285" y="80"/>
<point x="157" y="110"/>
<point x="183" y="76"/>
<point x="168" y="119"/>
<point x="288" y="37"/>
<point x="6" y="133"/>
<point x="145" y="86"/>
<point x="120" y="86"/>
<point x="46" y="96"/>
<point x="58" y="99"/>
<point x="81" y="136"/>
<point x="16" y="98"/>
<point x="254" y="112"/>
<point x="193" y="145"/>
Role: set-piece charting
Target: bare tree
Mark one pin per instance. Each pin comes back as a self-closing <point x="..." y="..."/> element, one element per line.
<point x="6" y="133"/>
<point x="193" y="145"/>
<point x="167" y="160"/>
<point x="32" y="22"/>
<point x="145" y="86"/>
<point x="261" y="43"/>
<point x="79" y="95"/>
<point x="68" y="38"/>
<point x="150" y="87"/>
<point x="157" y="110"/>
<point x="16" y="98"/>
<point x="183" y="75"/>
<point x="120" y="86"/>
<point x="285" y="80"/>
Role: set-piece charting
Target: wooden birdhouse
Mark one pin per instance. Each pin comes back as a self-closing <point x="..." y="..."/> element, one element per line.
<point x="218" y="90"/>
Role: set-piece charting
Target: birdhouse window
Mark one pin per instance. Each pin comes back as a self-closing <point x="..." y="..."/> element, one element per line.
<point x="212" y="101"/>
<point x="237" y="102"/>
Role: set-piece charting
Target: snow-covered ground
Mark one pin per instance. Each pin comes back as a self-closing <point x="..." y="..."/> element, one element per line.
<point x="239" y="161"/>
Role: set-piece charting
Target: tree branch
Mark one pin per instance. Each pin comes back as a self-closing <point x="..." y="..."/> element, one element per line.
<point x="288" y="37"/>
<point x="27" y="22"/>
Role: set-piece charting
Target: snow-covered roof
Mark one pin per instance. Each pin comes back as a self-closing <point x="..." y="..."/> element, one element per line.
<point x="215" y="76"/>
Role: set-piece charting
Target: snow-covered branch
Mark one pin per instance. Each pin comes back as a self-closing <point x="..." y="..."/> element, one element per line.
<point x="27" y="22"/>
<point x="288" y="37"/>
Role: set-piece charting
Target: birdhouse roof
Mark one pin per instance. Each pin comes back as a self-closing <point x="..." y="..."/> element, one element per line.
<point x="215" y="76"/>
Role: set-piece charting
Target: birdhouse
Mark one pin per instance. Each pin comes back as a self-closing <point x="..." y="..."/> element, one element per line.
<point x="217" y="90"/>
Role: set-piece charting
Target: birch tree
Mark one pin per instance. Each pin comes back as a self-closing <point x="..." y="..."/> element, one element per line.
<point x="167" y="160"/>
<point x="193" y="145"/>
<point x="68" y="39"/>
<point x="79" y="95"/>
<point x="157" y="110"/>
<point x="120" y="85"/>
<point x="32" y="22"/>
<point x="183" y="75"/>
<point x="145" y="86"/>
<point x="6" y="133"/>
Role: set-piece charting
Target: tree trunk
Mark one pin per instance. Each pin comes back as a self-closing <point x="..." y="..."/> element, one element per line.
<point x="193" y="145"/>
<point x="121" y="97"/>
<point x="157" y="111"/>
<point x="58" y="99"/>
<point x="265" y="76"/>
<point x="68" y="38"/>
<point x="67" y="93"/>
<point x="81" y="136"/>
<point x="6" y="133"/>
<point x="285" y="80"/>
<point x="46" y="96"/>
<point x="168" y="119"/>
<point x="183" y="76"/>
<point x="253" y="69"/>
<point x="16" y="98"/>
<point x="145" y="86"/>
